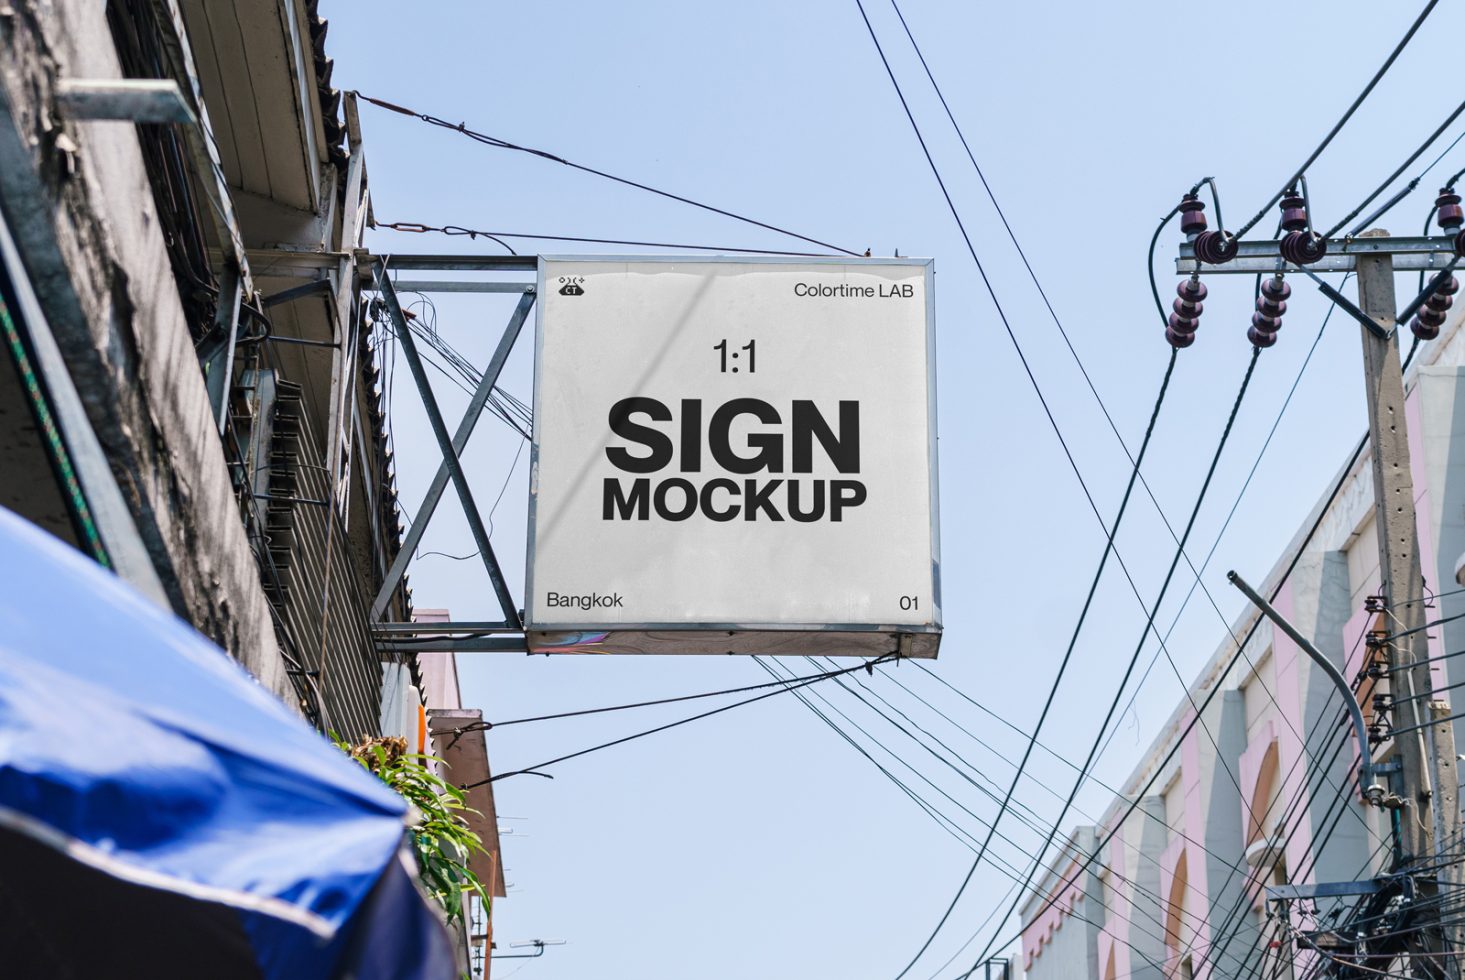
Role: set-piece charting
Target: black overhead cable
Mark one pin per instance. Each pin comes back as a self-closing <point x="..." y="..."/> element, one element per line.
<point x="951" y="721"/>
<point x="1032" y="274"/>
<point x="947" y="823"/>
<point x="1229" y="927"/>
<point x="1395" y="175"/>
<point x="1302" y="805"/>
<point x="1001" y="864"/>
<point x="1291" y="808"/>
<point x="1336" y="488"/>
<point x="1154" y="609"/>
<point x="942" y="820"/>
<point x="964" y="770"/>
<point x="501" y="403"/>
<point x="1181" y="735"/>
<point x="1338" y="126"/>
<point x="1029" y="821"/>
<point x="1235" y="504"/>
<point x="456" y="230"/>
<point x="960" y="832"/>
<point x="487" y="725"/>
<point x="535" y="769"/>
<point x="543" y="154"/>
<point x="1032" y="379"/>
<point x="1012" y="236"/>
<point x="1231" y="923"/>
<point x="1089" y="777"/>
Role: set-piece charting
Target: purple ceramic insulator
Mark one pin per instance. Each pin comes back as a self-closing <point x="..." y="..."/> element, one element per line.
<point x="1450" y="215"/>
<point x="1302" y="248"/>
<point x="1192" y="215"/>
<point x="1294" y="213"/>
<point x="1423" y="330"/>
<point x="1215" y="247"/>
<point x="1266" y="324"/>
<point x="1191" y="290"/>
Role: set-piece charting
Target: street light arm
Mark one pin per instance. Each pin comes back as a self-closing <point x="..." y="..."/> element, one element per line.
<point x="1367" y="773"/>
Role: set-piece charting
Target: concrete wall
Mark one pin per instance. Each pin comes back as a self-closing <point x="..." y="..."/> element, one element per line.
<point x="77" y="198"/>
<point x="1067" y="932"/>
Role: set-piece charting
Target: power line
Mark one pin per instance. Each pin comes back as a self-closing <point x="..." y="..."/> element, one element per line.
<point x="1007" y="226"/>
<point x="534" y="770"/>
<point x="943" y="821"/>
<point x="494" y="141"/>
<point x="1298" y="808"/>
<point x="1395" y="175"/>
<point x="1012" y="336"/>
<point x="1155" y="607"/>
<point x="489" y="725"/>
<point x="416" y="228"/>
<point x="1246" y="485"/>
<point x="1001" y="864"/>
<point x="1338" y="126"/>
<point x="1029" y="821"/>
<point x="1181" y="735"/>
<point x="991" y="195"/>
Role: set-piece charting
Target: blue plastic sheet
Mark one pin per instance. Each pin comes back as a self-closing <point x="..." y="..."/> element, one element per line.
<point x="135" y="747"/>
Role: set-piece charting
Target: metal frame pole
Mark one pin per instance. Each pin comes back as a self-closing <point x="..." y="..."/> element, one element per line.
<point x="451" y="463"/>
<point x="219" y="363"/>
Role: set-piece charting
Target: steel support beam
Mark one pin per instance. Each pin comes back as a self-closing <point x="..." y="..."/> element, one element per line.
<point x="1410" y="255"/>
<point x="451" y="467"/>
<point x="464" y="263"/>
<point x="219" y="361"/>
<point x="457" y="644"/>
<point x="459" y="286"/>
<point x="1330" y="889"/>
<point x="136" y="100"/>
<point x="427" y="629"/>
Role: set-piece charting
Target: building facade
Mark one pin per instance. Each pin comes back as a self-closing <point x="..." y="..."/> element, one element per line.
<point x="188" y="392"/>
<point x="1261" y="788"/>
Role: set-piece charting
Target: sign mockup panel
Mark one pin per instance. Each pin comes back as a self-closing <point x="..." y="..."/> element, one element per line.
<point x="734" y="456"/>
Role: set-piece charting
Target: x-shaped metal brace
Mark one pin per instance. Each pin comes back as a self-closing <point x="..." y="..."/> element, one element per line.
<point x="452" y="450"/>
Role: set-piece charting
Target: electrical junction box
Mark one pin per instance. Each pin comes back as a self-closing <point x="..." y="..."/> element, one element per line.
<point x="734" y="456"/>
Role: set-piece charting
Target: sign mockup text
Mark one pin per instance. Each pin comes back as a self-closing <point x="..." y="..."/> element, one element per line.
<point x="733" y="442"/>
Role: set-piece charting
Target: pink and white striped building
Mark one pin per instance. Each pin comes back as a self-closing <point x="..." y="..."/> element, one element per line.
<point x="1262" y="790"/>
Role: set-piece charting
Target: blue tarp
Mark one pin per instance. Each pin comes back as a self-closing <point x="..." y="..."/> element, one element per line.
<point x="139" y="750"/>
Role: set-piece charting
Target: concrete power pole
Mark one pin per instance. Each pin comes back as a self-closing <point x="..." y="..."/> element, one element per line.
<point x="1428" y="778"/>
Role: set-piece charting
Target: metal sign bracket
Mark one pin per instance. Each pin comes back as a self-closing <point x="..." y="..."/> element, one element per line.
<point x="451" y="468"/>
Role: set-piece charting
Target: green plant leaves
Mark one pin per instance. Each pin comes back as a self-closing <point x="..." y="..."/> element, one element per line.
<point x="441" y="838"/>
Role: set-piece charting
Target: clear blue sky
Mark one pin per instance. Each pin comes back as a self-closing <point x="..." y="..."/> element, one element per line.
<point x="757" y="844"/>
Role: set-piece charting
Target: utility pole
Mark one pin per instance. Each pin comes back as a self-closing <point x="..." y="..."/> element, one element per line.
<point x="1428" y="778"/>
<point x="1425" y="781"/>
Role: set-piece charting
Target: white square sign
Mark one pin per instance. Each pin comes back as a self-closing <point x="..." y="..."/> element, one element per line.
<point x="734" y="456"/>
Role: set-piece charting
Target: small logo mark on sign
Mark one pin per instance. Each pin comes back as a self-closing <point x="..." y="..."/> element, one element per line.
<point x="570" y="286"/>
